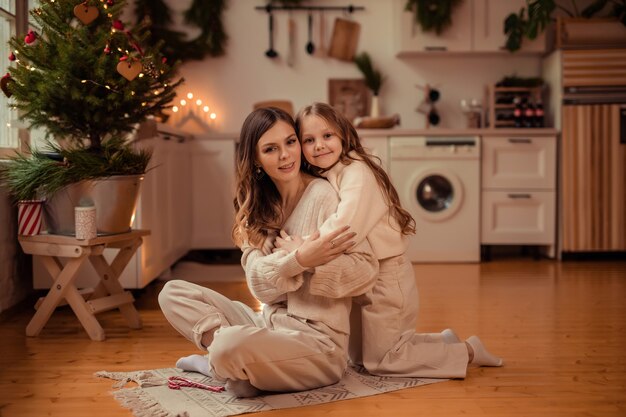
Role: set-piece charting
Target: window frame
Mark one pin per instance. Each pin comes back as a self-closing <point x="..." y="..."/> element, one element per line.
<point x="21" y="17"/>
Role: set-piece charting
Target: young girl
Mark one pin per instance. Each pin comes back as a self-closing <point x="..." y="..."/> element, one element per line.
<point x="301" y="339"/>
<point x="369" y="204"/>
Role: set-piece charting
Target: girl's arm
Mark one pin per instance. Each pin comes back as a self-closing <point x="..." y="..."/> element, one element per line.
<point x="361" y="202"/>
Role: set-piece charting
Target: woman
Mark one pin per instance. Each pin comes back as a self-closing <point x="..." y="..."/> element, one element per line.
<point x="301" y="340"/>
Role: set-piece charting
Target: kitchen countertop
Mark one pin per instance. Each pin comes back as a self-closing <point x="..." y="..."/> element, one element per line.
<point x="456" y="132"/>
<point x="393" y="132"/>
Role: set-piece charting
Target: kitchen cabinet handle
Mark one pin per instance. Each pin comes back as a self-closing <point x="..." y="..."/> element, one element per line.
<point x="519" y="196"/>
<point x="436" y="48"/>
<point x="520" y="140"/>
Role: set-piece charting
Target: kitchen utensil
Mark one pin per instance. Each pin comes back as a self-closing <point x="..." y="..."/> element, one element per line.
<point x="310" y="47"/>
<point x="291" y="49"/>
<point x="344" y="39"/>
<point x="321" y="49"/>
<point x="271" y="52"/>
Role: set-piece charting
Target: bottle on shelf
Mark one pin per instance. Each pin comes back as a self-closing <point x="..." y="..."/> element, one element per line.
<point x="539" y="114"/>
<point x="517" y="112"/>
<point x="528" y="119"/>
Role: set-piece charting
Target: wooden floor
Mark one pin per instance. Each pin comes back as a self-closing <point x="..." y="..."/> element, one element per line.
<point x="561" y="328"/>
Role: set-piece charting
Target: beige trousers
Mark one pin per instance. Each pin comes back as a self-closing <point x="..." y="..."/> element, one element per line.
<point x="274" y="351"/>
<point x="387" y="320"/>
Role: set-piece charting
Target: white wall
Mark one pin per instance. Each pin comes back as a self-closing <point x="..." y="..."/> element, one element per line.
<point x="231" y="84"/>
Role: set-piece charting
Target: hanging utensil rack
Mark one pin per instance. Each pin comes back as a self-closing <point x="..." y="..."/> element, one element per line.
<point x="350" y="8"/>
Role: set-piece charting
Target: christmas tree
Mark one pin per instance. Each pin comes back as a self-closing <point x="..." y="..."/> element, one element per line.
<point x="84" y="75"/>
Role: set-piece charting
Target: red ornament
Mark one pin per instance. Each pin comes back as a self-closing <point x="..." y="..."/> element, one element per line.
<point x="4" y="85"/>
<point x="12" y="57"/>
<point x="30" y="37"/>
<point x="107" y="50"/>
<point x="110" y="2"/>
<point x="123" y="58"/>
<point x="163" y="60"/>
<point x="118" y="25"/>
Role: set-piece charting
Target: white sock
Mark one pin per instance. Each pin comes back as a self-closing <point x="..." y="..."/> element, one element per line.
<point x="448" y="336"/>
<point x="482" y="357"/>
<point x="194" y="363"/>
<point x="241" y="388"/>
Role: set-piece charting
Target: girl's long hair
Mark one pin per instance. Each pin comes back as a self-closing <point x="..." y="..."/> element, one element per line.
<point x="258" y="208"/>
<point x="350" y="142"/>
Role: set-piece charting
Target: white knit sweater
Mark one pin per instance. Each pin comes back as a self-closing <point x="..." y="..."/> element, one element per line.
<point x="319" y="294"/>
<point x="363" y="207"/>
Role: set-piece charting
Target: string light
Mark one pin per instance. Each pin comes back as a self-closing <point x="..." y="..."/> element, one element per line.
<point x="187" y="112"/>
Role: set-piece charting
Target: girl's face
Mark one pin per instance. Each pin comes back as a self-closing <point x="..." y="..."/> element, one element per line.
<point x="321" y="143"/>
<point x="278" y="152"/>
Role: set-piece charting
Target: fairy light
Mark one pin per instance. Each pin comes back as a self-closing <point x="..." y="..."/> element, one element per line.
<point x="140" y="75"/>
<point x="192" y="107"/>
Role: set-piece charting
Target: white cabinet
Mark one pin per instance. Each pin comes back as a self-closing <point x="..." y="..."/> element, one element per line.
<point x="518" y="190"/>
<point x="377" y="146"/>
<point x="477" y="26"/>
<point x="164" y="208"/>
<point x="213" y="173"/>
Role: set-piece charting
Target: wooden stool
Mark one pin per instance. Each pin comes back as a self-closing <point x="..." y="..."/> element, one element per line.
<point x="107" y="295"/>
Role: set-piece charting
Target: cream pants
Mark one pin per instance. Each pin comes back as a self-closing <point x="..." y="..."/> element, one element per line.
<point x="274" y="351"/>
<point x="388" y="318"/>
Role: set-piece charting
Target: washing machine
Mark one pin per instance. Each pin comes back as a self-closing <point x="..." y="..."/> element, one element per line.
<point x="438" y="182"/>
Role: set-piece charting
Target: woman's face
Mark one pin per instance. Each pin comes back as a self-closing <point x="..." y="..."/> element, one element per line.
<point x="278" y="152"/>
<point x="321" y="143"/>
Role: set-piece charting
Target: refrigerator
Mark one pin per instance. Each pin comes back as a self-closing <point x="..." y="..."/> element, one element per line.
<point x="589" y="108"/>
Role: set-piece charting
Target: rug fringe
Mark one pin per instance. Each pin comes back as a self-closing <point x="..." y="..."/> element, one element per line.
<point x="142" y="404"/>
<point x="142" y="378"/>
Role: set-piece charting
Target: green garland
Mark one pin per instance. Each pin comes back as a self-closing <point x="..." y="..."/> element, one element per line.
<point x="204" y="14"/>
<point x="432" y="14"/>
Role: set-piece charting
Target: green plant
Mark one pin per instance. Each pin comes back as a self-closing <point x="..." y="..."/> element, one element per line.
<point x="67" y="77"/>
<point x="530" y="21"/>
<point x="373" y="78"/>
<point x="72" y="79"/>
<point x="432" y="14"/>
<point x="45" y="171"/>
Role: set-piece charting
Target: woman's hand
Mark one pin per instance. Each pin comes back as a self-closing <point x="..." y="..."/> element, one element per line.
<point x="316" y="250"/>
<point x="288" y="243"/>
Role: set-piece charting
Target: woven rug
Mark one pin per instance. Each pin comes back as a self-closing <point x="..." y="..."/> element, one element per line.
<point x="153" y="398"/>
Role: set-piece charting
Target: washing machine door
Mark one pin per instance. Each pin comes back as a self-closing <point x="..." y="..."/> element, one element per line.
<point x="436" y="193"/>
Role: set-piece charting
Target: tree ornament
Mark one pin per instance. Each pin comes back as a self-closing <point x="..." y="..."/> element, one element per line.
<point x="12" y="57"/>
<point x="30" y="37"/>
<point x="118" y="25"/>
<point x="107" y="49"/>
<point x="4" y="85"/>
<point x="110" y="2"/>
<point x="150" y="69"/>
<point x="86" y="13"/>
<point x="129" y="68"/>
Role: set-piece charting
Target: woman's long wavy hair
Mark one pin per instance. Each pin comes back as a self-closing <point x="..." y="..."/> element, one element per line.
<point x="258" y="208"/>
<point x="351" y="142"/>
